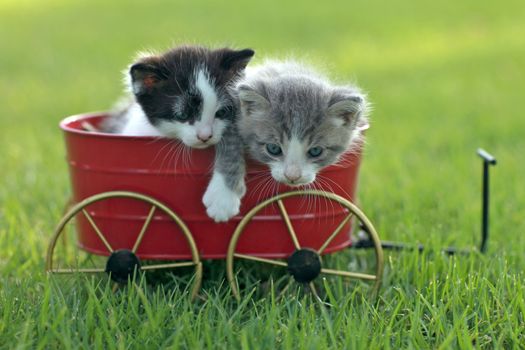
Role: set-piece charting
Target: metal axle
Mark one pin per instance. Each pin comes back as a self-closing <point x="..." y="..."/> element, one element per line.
<point x="488" y="160"/>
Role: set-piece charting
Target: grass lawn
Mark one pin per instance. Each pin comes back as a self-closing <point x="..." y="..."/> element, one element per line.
<point x="444" y="77"/>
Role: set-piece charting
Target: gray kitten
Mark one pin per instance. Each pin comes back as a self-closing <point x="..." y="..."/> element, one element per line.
<point x="295" y="121"/>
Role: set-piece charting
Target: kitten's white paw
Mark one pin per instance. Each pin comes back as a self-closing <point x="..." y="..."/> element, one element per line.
<point x="221" y="203"/>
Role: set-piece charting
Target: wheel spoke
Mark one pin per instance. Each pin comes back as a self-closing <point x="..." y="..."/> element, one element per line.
<point x="335" y="233"/>
<point x="143" y="229"/>
<point x="97" y="230"/>
<point x="288" y="223"/>
<point x="83" y="270"/>
<point x="314" y="291"/>
<point x="362" y="276"/>
<point x="168" y="266"/>
<point x="258" y="259"/>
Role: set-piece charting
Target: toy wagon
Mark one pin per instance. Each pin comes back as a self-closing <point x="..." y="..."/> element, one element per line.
<point x="139" y="198"/>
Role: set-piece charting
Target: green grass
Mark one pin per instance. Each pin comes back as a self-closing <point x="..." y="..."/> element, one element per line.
<point x="444" y="78"/>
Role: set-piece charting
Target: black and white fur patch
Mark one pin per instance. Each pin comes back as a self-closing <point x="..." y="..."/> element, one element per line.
<point x="184" y="94"/>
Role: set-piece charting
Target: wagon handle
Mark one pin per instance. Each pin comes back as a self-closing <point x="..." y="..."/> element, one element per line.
<point x="488" y="160"/>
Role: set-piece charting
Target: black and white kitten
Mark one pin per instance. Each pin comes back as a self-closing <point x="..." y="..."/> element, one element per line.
<point x="184" y="94"/>
<point x="296" y="121"/>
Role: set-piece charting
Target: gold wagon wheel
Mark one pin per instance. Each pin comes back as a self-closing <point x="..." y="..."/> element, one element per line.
<point x="122" y="263"/>
<point x="304" y="264"/>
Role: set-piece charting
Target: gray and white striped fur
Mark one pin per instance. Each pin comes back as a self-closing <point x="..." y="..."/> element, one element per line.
<point x="296" y="121"/>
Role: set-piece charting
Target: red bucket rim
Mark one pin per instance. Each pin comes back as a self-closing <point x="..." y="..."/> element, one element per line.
<point x="66" y="122"/>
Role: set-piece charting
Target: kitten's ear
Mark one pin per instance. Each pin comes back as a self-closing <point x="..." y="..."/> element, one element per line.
<point x="347" y="105"/>
<point x="236" y="60"/>
<point x="251" y="100"/>
<point x="145" y="76"/>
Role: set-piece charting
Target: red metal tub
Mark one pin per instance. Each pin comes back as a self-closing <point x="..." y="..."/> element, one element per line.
<point x="178" y="176"/>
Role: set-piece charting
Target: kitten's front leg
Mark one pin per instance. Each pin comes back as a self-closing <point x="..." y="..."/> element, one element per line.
<point x="226" y="188"/>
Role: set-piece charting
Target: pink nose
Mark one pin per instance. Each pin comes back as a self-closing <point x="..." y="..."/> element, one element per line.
<point x="204" y="137"/>
<point x="292" y="177"/>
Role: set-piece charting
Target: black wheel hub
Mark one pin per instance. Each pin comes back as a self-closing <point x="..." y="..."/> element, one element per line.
<point x="304" y="265"/>
<point x="121" y="265"/>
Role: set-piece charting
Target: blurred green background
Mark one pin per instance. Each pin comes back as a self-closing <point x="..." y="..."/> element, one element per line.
<point x="444" y="77"/>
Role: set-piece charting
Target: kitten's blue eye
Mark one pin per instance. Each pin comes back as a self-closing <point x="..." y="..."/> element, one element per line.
<point x="315" y="151"/>
<point x="274" y="149"/>
<point x="182" y="117"/>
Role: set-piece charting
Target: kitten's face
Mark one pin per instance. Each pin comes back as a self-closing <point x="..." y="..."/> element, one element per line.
<point x="184" y="92"/>
<point x="298" y="128"/>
